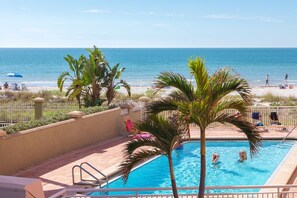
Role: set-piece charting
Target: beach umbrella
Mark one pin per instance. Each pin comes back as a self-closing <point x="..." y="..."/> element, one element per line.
<point x="13" y="74"/>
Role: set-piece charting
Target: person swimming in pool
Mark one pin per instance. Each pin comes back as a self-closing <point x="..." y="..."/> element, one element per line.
<point x="242" y="156"/>
<point x="215" y="158"/>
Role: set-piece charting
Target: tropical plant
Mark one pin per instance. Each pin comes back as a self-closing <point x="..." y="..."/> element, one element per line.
<point x="91" y="76"/>
<point x="76" y="87"/>
<point x="167" y="134"/>
<point x="94" y="73"/>
<point x="113" y="74"/>
<point x="205" y="102"/>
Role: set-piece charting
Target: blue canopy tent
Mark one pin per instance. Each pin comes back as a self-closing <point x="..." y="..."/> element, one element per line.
<point x="13" y="74"/>
<point x="14" y="86"/>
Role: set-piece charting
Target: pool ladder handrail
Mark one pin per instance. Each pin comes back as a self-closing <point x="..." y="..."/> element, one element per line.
<point x="95" y="182"/>
<point x="288" y="134"/>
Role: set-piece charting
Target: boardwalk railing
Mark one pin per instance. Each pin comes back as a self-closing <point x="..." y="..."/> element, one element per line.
<point x="287" y="114"/>
<point x="281" y="191"/>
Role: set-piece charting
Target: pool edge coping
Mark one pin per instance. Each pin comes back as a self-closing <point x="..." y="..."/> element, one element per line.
<point x="284" y="172"/>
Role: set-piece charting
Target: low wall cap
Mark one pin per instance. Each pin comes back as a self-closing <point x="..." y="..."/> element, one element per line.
<point x="76" y="114"/>
<point x="2" y="133"/>
<point x="144" y="98"/>
<point x="38" y="99"/>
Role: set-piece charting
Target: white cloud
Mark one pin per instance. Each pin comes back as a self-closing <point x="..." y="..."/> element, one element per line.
<point x="220" y="16"/>
<point x="166" y="14"/>
<point x="237" y="17"/>
<point x="152" y="13"/>
<point x="96" y="11"/>
<point x="269" y="19"/>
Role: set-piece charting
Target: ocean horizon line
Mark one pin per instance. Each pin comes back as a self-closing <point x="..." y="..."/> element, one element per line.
<point x="284" y="47"/>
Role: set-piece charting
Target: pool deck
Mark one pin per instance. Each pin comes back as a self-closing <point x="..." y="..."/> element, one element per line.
<point x="56" y="173"/>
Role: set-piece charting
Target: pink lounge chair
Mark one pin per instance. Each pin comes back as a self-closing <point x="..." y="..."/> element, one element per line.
<point x="133" y="133"/>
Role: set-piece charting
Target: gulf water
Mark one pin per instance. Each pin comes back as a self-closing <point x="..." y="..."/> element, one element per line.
<point x="41" y="67"/>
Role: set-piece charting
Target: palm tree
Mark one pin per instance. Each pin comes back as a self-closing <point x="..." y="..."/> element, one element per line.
<point x="205" y="103"/>
<point x="167" y="135"/>
<point x="113" y="74"/>
<point x="75" y="89"/>
<point x="95" y="71"/>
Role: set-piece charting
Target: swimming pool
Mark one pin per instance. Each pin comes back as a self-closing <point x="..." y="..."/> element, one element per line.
<point x="229" y="171"/>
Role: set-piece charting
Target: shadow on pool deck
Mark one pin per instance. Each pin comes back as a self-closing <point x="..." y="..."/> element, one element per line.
<point x="56" y="173"/>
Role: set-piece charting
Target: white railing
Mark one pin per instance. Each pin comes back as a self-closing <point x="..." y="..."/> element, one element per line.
<point x="280" y="191"/>
<point x="287" y="114"/>
<point x="15" y="112"/>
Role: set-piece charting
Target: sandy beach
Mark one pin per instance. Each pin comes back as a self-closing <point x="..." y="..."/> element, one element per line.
<point x="260" y="91"/>
<point x="256" y="91"/>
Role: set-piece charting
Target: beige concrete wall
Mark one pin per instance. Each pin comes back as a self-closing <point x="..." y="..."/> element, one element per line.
<point x="20" y="150"/>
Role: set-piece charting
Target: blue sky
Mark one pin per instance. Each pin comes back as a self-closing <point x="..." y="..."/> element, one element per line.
<point x="150" y="23"/>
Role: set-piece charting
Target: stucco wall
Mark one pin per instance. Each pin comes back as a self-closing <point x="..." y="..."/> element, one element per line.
<point x="29" y="147"/>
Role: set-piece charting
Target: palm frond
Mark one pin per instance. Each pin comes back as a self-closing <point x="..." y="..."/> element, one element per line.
<point x="126" y="86"/>
<point x="167" y="133"/>
<point x="198" y="70"/>
<point x="199" y="113"/>
<point x="224" y="82"/>
<point x="169" y="79"/>
<point x="69" y="59"/>
<point x="250" y="130"/>
<point x="163" y="130"/>
<point x="178" y="96"/>
<point x="62" y="78"/>
<point x="162" y="105"/>
<point x="132" y="160"/>
<point x="136" y="144"/>
<point x="231" y="102"/>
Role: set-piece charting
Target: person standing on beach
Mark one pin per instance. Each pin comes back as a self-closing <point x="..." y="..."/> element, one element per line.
<point x="286" y="80"/>
<point x="267" y="81"/>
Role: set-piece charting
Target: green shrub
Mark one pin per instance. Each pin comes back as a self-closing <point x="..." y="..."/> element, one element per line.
<point x="49" y="118"/>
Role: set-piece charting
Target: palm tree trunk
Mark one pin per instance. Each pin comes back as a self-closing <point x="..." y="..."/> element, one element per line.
<point x="78" y="100"/>
<point x="188" y="130"/>
<point x="95" y="91"/>
<point x="202" y="164"/>
<point x="110" y="93"/>
<point x="173" y="182"/>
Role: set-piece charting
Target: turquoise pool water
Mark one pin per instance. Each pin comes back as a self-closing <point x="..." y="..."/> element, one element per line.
<point x="229" y="171"/>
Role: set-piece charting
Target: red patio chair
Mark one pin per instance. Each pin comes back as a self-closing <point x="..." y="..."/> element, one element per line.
<point x="134" y="134"/>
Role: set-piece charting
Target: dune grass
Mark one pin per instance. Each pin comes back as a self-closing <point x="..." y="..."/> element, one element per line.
<point x="278" y="100"/>
<point x="26" y="96"/>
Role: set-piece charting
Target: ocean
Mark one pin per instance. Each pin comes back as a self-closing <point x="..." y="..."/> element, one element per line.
<point x="42" y="66"/>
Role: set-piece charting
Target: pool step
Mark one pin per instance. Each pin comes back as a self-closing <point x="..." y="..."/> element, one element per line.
<point x="97" y="180"/>
<point x="87" y="183"/>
